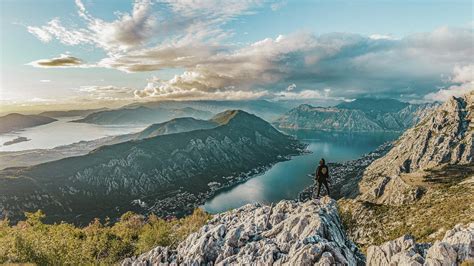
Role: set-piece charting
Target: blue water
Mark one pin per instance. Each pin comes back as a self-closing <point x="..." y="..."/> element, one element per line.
<point x="286" y="179"/>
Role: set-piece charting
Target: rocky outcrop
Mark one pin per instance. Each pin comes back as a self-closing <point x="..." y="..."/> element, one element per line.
<point x="445" y="137"/>
<point x="361" y="115"/>
<point x="455" y="248"/>
<point x="288" y="233"/>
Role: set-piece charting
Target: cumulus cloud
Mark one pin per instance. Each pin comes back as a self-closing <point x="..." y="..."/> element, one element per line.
<point x="190" y="35"/>
<point x="129" y="30"/>
<point x="62" y="61"/>
<point x="463" y="76"/>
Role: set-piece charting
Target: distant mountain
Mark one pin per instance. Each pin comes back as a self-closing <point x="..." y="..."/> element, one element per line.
<point x="71" y="113"/>
<point x="265" y="109"/>
<point x="362" y="115"/>
<point x="14" y="121"/>
<point x="369" y="105"/>
<point x="141" y="115"/>
<point x="37" y="156"/>
<point x="167" y="175"/>
<point x="177" y="125"/>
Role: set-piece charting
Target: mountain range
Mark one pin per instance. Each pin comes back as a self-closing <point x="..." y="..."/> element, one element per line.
<point x="167" y="174"/>
<point x="37" y="156"/>
<point x="71" y="113"/>
<point x="141" y="115"/>
<point x="267" y="110"/>
<point x="360" y="115"/>
<point x="14" y="122"/>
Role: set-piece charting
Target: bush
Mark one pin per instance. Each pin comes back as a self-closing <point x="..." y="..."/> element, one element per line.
<point x="32" y="241"/>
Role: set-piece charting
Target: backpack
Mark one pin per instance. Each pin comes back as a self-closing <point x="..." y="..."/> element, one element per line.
<point x="324" y="170"/>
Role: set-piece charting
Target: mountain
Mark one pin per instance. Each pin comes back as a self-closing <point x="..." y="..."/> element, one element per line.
<point x="443" y="138"/>
<point x="288" y="233"/>
<point x="71" y="113"/>
<point x="14" y="122"/>
<point x="177" y="125"/>
<point x="168" y="175"/>
<point x="423" y="185"/>
<point x="141" y="115"/>
<point x="37" y="156"/>
<point x="374" y="105"/>
<point x="361" y="115"/>
<point x="265" y="109"/>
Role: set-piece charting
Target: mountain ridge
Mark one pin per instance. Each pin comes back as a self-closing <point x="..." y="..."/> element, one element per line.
<point x="356" y="116"/>
<point x="171" y="173"/>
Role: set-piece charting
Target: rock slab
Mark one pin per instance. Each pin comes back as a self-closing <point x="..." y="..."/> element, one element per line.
<point x="288" y="233"/>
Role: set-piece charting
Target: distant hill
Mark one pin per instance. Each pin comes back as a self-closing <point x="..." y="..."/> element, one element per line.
<point x="374" y="105"/>
<point x="361" y="115"/>
<point x="265" y="109"/>
<point x="14" y="121"/>
<point x="37" y="156"/>
<point x="168" y="175"/>
<point x="141" y="115"/>
<point x="71" y="113"/>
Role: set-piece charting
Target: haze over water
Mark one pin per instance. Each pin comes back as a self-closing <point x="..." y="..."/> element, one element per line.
<point x="286" y="179"/>
<point x="63" y="132"/>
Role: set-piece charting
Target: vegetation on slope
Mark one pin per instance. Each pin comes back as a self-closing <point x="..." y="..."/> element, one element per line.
<point x="447" y="201"/>
<point x="32" y="241"/>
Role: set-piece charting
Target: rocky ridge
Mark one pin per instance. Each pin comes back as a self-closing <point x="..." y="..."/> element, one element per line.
<point x="445" y="137"/>
<point x="288" y="233"/>
<point x="455" y="248"/>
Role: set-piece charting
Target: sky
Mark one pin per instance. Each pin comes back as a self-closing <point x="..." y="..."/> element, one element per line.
<point x="95" y="52"/>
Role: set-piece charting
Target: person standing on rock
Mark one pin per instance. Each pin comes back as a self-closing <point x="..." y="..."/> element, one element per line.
<point x="322" y="176"/>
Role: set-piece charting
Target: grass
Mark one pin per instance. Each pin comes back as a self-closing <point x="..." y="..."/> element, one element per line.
<point x="445" y="204"/>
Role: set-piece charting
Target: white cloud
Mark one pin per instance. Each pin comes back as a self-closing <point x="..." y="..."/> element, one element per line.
<point x="190" y="35"/>
<point x="45" y="80"/>
<point x="291" y="87"/>
<point x="464" y="76"/>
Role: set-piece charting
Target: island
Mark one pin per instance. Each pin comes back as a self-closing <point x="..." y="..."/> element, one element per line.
<point x="17" y="140"/>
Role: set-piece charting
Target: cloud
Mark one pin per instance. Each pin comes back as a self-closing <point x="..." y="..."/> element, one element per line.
<point x="464" y="77"/>
<point x="106" y="93"/>
<point x="62" y="61"/>
<point x="45" y="80"/>
<point x="125" y="32"/>
<point x="291" y="87"/>
<point x="191" y="35"/>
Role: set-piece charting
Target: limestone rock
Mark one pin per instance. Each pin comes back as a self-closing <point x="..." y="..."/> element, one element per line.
<point x="456" y="247"/>
<point x="443" y="138"/>
<point x="289" y="233"/>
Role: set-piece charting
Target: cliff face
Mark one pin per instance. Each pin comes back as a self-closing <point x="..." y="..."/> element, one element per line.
<point x="167" y="175"/>
<point x="445" y="137"/>
<point x="289" y="233"/>
<point x="367" y="115"/>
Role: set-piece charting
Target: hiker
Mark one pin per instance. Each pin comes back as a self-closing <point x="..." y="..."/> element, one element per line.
<point x="322" y="176"/>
